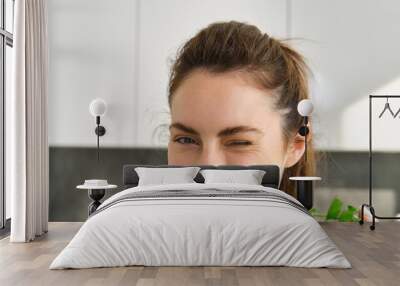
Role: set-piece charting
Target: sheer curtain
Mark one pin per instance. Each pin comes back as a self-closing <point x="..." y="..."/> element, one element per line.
<point x="28" y="150"/>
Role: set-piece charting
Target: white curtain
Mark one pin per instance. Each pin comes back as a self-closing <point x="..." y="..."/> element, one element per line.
<point x="28" y="157"/>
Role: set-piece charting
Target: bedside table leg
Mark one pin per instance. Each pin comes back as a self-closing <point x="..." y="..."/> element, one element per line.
<point x="93" y="207"/>
<point x="305" y="193"/>
<point x="96" y="195"/>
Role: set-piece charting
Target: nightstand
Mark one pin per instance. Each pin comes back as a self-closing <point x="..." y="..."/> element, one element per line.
<point x="304" y="189"/>
<point x="96" y="191"/>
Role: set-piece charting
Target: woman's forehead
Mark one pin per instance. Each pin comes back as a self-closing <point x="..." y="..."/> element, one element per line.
<point x="217" y="101"/>
<point x="201" y="80"/>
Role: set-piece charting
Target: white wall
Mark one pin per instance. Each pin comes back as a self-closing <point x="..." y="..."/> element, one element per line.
<point x="120" y="50"/>
<point x="353" y="48"/>
<point x="92" y="54"/>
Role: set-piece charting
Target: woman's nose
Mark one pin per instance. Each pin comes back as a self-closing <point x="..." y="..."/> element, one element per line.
<point x="211" y="155"/>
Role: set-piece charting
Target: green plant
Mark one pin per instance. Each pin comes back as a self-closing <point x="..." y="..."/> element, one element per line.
<point x="337" y="212"/>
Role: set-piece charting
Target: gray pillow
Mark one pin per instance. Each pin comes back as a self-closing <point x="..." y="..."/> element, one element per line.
<point x="249" y="177"/>
<point x="161" y="176"/>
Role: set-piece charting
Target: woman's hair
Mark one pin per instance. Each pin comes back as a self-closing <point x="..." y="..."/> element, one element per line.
<point x="235" y="46"/>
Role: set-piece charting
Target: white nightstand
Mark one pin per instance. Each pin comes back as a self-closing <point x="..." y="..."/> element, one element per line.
<point x="96" y="191"/>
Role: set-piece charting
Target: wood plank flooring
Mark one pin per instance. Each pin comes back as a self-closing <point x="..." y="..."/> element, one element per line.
<point x="374" y="255"/>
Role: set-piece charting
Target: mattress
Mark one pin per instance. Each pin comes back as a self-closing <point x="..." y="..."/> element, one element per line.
<point x="201" y="225"/>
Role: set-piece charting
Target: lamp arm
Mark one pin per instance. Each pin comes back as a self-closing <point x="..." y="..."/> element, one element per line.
<point x="98" y="138"/>
<point x="98" y="149"/>
<point x="305" y="139"/>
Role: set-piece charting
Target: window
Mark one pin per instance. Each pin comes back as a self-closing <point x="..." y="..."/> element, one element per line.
<point x="6" y="44"/>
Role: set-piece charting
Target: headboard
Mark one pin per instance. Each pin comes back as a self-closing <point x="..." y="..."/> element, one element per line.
<point x="271" y="178"/>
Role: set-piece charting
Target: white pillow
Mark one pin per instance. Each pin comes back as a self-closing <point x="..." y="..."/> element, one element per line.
<point x="161" y="176"/>
<point x="249" y="177"/>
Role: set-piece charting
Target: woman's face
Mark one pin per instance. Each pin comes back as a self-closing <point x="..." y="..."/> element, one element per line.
<point x="225" y="119"/>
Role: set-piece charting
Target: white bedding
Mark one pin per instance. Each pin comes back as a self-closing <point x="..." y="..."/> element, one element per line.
<point x="183" y="231"/>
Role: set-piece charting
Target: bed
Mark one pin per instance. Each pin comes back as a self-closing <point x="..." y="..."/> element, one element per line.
<point x="201" y="224"/>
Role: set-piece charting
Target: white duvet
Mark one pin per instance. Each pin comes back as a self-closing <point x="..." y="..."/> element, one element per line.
<point x="185" y="231"/>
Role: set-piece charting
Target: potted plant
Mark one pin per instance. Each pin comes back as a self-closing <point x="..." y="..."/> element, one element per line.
<point x="337" y="212"/>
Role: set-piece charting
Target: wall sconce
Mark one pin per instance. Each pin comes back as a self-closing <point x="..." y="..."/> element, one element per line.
<point x="98" y="108"/>
<point x="305" y="108"/>
<point x="304" y="185"/>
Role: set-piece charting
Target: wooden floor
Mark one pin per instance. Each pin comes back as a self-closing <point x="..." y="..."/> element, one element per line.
<point x="374" y="255"/>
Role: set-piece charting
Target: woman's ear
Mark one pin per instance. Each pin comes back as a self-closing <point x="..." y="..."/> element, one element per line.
<point x="296" y="149"/>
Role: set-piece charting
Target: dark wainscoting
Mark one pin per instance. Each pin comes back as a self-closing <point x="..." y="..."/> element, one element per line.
<point x="70" y="166"/>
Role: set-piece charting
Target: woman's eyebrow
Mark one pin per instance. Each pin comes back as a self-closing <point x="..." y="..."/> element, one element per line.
<point x="184" y="128"/>
<point x="225" y="132"/>
<point x="237" y="129"/>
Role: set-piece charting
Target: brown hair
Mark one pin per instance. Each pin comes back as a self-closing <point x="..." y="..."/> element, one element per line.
<point x="228" y="46"/>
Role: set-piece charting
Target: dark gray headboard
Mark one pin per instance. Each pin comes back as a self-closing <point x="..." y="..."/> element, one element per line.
<point x="270" y="179"/>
